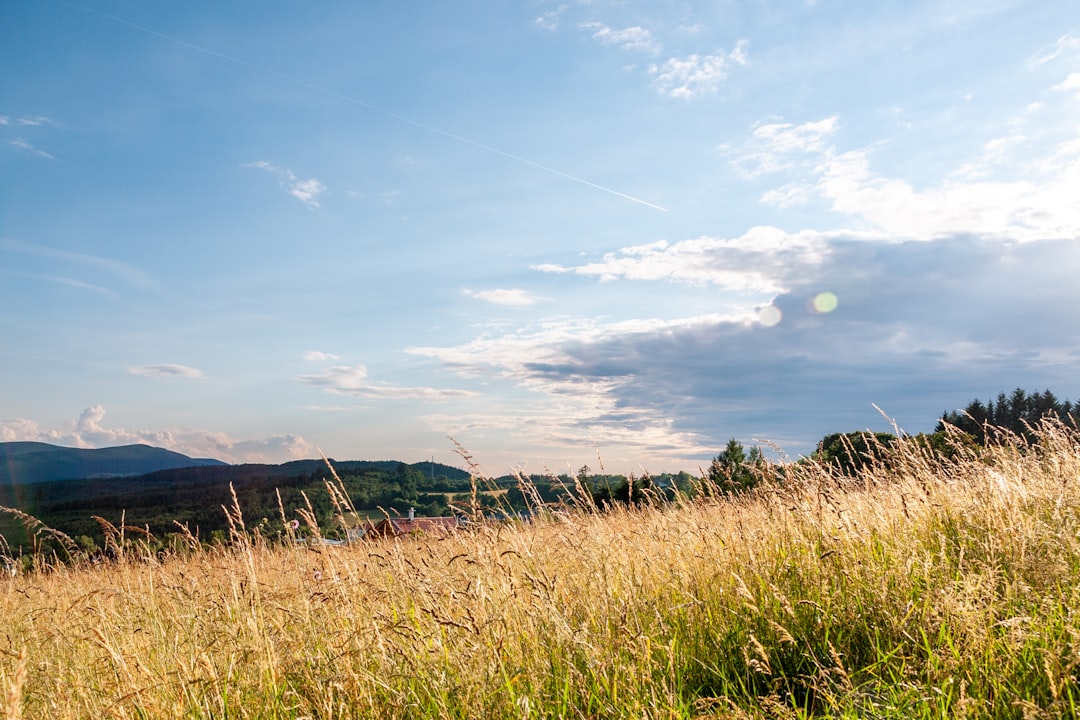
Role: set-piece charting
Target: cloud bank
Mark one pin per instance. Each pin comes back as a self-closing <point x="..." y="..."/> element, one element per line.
<point x="912" y="321"/>
<point x="930" y="297"/>
<point x="89" y="431"/>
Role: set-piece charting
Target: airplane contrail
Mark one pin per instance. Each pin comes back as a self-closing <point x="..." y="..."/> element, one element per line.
<point x="366" y="106"/>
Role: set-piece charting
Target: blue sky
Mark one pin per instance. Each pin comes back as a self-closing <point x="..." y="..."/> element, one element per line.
<point x="553" y="231"/>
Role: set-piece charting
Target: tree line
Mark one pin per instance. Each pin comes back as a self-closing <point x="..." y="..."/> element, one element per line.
<point x="1018" y="413"/>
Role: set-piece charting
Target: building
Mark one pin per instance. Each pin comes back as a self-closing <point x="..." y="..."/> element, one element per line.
<point x="411" y="525"/>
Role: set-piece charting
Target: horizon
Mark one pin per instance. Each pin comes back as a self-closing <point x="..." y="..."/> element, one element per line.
<point x="548" y="234"/>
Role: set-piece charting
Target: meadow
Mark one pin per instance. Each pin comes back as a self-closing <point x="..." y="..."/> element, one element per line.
<point x="924" y="587"/>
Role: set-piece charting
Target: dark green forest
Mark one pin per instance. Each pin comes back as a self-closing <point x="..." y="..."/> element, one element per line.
<point x="191" y="500"/>
<point x="1017" y="413"/>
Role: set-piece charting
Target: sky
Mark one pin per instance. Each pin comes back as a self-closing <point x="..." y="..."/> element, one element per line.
<point x="549" y="234"/>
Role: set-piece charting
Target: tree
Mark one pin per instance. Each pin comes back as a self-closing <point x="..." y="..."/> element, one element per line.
<point x="630" y="491"/>
<point x="851" y="452"/>
<point x="735" y="469"/>
<point x="409" y="479"/>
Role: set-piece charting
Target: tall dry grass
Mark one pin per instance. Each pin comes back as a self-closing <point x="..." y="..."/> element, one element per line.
<point x="924" y="588"/>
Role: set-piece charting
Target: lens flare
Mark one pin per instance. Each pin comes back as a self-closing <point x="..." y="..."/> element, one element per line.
<point x="825" y="302"/>
<point x="769" y="315"/>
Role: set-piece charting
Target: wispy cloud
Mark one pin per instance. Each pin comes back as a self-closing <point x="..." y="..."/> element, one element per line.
<point x="23" y="145"/>
<point x="306" y="191"/>
<point x="90" y="431"/>
<point x="996" y="152"/>
<point x="119" y="269"/>
<point x="352" y="380"/>
<point x="72" y="282"/>
<point x="25" y="121"/>
<point x="550" y="20"/>
<point x="167" y="370"/>
<point x="317" y="355"/>
<point x="630" y="38"/>
<point x="1065" y="43"/>
<point x="67" y="282"/>
<point x="686" y="77"/>
<point x="778" y="146"/>
<point x="514" y="297"/>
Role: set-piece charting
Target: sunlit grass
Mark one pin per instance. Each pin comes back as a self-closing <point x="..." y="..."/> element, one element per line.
<point x="921" y="589"/>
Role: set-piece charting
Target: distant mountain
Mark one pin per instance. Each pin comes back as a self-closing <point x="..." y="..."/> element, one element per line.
<point x="101" y="484"/>
<point x="27" y="463"/>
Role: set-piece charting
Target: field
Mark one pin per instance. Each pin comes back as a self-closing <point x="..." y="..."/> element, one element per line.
<point x="925" y="588"/>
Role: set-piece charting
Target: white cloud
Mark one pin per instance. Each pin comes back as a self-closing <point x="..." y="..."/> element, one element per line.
<point x="306" y="191"/>
<point x="1036" y="201"/>
<point x="89" y="431"/>
<point x="695" y="74"/>
<point x="573" y="409"/>
<point x="352" y="380"/>
<point x="24" y="146"/>
<point x="167" y="370"/>
<point x="317" y="355"/>
<point x="738" y="55"/>
<point x="275" y="448"/>
<point x="759" y="261"/>
<point x="778" y="146"/>
<point x="514" y="297"/>
<point x="1024" y="209"/>
<point x="786" y="137"/>
<point x="342" y="379"/>
<point x="1072" y="82"/>
<point x="631" y="38"/>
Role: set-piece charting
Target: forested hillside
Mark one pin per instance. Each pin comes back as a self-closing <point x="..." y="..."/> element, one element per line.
<point x="194" y="497"/>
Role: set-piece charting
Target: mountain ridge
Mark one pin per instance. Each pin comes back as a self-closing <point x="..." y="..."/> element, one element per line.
<point x="31" y="463"/>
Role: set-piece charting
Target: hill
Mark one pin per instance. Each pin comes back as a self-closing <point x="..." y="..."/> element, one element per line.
<point x="67" y="489"/>
<point x="28" y="463"/>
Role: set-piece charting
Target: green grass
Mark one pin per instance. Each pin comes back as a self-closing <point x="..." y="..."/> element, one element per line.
<point x="922" y="589"/>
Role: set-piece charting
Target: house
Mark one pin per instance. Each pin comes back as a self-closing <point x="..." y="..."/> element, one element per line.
<point x="411" y="525"/>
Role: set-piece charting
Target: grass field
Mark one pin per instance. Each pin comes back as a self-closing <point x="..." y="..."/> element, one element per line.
<point x="923" y="588"/>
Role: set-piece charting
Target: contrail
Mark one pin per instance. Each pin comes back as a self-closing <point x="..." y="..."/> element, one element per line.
<point x="360" y="103"/>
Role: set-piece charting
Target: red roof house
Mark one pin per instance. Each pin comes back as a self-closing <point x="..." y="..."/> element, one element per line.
<point x="395" y="527"/>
